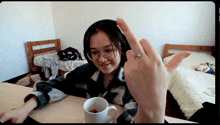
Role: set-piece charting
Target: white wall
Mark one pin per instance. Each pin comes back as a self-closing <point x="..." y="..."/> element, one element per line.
<point x="190" y="23"/>
<point x="21" y="22"/>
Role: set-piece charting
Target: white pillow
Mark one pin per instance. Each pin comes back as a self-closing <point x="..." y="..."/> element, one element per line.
<point x="193" y="60"/>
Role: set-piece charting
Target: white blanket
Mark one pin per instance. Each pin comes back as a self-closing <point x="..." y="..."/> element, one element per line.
<point x="191" y="88"/>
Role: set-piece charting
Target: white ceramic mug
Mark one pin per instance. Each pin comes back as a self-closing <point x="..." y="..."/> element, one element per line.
<point x="101" y="105"/>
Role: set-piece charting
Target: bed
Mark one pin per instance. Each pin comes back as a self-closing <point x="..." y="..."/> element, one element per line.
<point x="191" y="88"/>
<point x="38" y="52"/>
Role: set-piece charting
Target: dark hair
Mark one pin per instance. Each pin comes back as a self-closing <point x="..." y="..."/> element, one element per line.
<point x="113" y="32"/>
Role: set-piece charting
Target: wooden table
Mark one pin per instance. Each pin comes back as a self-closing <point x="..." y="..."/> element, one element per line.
<point x="67" y="110"/>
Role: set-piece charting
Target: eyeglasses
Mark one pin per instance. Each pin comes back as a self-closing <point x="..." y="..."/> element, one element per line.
<point x="108" y="53"/>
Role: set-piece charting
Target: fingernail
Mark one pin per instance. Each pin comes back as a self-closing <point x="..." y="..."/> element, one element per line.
<point x="120" y="20"/>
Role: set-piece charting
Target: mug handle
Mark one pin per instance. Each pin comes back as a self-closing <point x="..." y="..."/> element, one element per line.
<point x="113" y="116"/>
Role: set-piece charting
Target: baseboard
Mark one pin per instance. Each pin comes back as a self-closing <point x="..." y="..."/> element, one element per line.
<point x="15" y="79"/>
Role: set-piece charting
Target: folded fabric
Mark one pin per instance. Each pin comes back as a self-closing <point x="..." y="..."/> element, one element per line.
<point x="35" y="78"/>
<point x="24" y="81"/>
<point x="53" y="64"/>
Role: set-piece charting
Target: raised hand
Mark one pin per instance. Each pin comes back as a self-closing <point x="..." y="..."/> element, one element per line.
<point x="146" y="76"/>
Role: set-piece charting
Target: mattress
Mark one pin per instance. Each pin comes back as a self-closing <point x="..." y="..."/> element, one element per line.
<point x="63" y="65"/>
<point x="191" y="88"/>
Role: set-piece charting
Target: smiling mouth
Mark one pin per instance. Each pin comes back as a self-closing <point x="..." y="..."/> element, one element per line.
<point x="104" y="65"/>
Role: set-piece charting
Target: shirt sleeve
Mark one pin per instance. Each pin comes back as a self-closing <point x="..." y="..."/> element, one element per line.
<point x="57" y="89"/>
<point x="129" y="115"/>
<point x="130" y="108"/>
<point x="47" y="92"/>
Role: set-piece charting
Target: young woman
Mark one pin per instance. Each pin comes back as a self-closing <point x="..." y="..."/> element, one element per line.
<point x="105" y="49"/>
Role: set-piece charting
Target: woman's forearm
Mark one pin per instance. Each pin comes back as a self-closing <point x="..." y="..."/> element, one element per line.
<point x="29" y="105"/>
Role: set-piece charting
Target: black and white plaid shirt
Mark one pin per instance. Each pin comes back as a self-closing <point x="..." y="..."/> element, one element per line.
<point x="87" y="82"/>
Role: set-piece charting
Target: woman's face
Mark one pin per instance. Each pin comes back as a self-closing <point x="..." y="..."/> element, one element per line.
<point x="100" y="42"/>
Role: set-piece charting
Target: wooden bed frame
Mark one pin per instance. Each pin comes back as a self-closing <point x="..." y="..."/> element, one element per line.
<point x="31" y="53"/>
<point x="187" y="47"/>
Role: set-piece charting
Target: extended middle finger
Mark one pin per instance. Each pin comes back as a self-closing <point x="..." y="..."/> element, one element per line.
<point x="132" y="40"/>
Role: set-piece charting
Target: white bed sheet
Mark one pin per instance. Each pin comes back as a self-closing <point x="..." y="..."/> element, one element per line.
<point x="191" y="88"/>
<point x="63" y="65"/>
